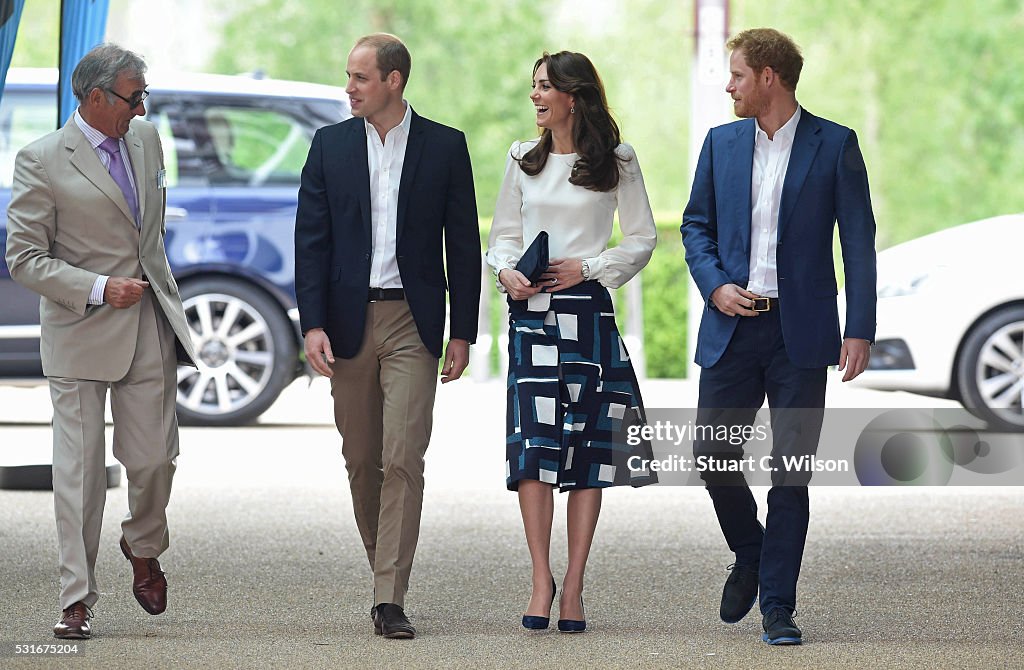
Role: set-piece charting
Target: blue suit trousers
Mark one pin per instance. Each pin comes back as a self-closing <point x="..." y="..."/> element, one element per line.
<point x="756" y="365"/>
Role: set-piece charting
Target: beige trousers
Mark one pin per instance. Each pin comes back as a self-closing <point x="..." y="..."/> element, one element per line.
<point x="145" y="442"/>
<point x="383" y="407"/>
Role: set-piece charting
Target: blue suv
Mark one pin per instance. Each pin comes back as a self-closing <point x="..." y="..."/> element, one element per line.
<point x="234" y="149"/>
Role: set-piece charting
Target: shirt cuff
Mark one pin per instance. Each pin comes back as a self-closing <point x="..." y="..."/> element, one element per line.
<point x="98" y="288"/>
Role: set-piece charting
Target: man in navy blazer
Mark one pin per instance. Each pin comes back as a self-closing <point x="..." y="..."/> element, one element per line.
<point x="386" y="201"/>
<point x="758" y="228"/>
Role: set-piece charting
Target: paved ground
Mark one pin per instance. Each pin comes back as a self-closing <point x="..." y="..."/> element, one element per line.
<point x="266" y="569"/>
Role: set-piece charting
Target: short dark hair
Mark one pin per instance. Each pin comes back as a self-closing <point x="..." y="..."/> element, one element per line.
<point x="392" y="54"/>
<point x="767" y="47"/>
<point x="100" y="68"/>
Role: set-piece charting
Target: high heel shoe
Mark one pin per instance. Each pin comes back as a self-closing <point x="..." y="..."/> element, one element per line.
<point x="572" y="625"/>
<point x="540" y="622"/>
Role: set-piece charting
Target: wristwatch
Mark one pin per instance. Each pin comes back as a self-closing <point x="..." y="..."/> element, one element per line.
<point x="585" y="269"/>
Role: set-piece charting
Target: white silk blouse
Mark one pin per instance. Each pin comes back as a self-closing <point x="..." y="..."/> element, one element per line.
<point x="578" y="220"/>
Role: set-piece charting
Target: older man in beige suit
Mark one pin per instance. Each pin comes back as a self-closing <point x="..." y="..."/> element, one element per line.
<point x="86" y="232"/>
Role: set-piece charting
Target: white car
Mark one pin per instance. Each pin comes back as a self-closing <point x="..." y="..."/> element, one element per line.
<point x="951" y="319"/>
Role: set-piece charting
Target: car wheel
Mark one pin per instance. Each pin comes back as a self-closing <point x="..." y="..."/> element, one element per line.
<point x="990" y="374"/>
<point x="246" y="353"/>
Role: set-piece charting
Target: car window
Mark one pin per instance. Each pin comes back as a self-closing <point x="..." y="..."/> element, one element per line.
<point x="24" y="117"/>
<point x="187" y="153"/>
<point x="255" y="146"/>
<point x="162" y="121"/>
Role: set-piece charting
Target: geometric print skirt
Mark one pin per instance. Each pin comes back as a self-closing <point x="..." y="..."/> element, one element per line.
<point x="572" y="394"/>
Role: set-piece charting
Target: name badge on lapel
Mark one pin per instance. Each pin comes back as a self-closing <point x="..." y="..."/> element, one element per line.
<point x="161" y="178"/>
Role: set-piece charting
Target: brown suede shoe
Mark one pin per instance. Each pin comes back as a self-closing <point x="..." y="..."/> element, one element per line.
<point x="148" y="584"/>
<point x="74" y="623"/>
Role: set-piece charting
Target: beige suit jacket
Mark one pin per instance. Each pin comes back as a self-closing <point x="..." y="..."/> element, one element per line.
<point x="68" y="222"/>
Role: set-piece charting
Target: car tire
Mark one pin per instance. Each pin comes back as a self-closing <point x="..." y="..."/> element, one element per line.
<point x="246" y="349"/>
<point x="990" y="372"/>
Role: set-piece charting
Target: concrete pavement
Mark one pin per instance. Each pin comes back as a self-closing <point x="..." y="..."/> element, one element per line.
<point x="266" y="570"/>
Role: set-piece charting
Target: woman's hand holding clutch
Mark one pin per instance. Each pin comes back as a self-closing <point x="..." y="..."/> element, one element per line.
<point x="517" y="285"/>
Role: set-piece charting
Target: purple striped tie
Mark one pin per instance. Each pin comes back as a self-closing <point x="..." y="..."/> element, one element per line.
<point x="120" y="175"/>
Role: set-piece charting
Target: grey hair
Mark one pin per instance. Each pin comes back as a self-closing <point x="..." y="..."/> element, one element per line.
<point x="100" y="68"/>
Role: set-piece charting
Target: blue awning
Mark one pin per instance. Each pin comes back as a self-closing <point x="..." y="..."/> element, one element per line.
<point x="10" y="15"/>
<point x="83" y="24"/>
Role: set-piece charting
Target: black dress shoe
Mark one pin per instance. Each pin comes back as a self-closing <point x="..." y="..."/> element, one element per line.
<point x="739" y="593"/>
<point x="390" y="621"/>
<point x="779" y="628"/>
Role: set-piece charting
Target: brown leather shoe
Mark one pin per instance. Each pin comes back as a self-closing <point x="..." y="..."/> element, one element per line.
<point x="148" y="584"/>
<point x="74" y="623"/>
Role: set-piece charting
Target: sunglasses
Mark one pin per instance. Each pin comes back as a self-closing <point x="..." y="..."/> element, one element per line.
<point x="135" y="100"/>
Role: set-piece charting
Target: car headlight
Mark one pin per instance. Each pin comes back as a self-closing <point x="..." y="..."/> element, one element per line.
<point x="892" y="287"/>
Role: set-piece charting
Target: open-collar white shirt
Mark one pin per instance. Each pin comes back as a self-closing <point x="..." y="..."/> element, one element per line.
<point x="385" y="161"/>
<point x="771" y="161"/>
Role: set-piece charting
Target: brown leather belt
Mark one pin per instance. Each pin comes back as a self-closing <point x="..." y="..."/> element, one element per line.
<point x="378" y="294"/>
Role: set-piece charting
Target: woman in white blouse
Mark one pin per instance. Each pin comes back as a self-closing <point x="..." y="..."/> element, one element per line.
<point x="572" y="391"/>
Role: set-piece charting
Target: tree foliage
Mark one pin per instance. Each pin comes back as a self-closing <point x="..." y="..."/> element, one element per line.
<point x="643" y="50"/>
<point x="471" y="60"/>
<point x="934" y="89"/>
<point x="37" y="44"/>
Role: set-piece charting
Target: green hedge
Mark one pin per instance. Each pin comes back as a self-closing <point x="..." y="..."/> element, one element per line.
<point x="665" y="285"/>
<point x="666" y="282"/>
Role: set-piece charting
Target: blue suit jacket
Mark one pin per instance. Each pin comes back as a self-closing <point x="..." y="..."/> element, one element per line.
<point x="437" y="220"/>
<point x="826" y="181"/>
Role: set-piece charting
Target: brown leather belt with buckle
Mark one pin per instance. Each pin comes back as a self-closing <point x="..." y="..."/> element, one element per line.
<point x="765" y="304"/>
<point x="378" y="294"/>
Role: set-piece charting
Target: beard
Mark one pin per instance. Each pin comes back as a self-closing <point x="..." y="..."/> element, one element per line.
<point x="750" y="106"/>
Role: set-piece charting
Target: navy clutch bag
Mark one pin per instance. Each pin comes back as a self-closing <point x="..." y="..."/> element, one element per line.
<point x="534" y="261"/>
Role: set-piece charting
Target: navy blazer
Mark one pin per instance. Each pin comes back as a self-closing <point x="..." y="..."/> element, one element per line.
<point x="437" y="220"/>
<point x="826" y="181"/>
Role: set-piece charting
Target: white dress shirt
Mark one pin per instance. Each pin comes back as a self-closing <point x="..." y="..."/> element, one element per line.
<point x="385" y="161"/>
<point x="96" y="138"/>
<point x="578" y="220"/>
<point x="771" y="161"/>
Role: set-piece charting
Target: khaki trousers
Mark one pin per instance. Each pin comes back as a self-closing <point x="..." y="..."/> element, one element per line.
<point x="383" y="407"/>
<point x="145" y="442"/>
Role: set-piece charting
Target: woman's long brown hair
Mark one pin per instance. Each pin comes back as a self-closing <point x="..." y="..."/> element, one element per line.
<point x="595" y="133"/>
